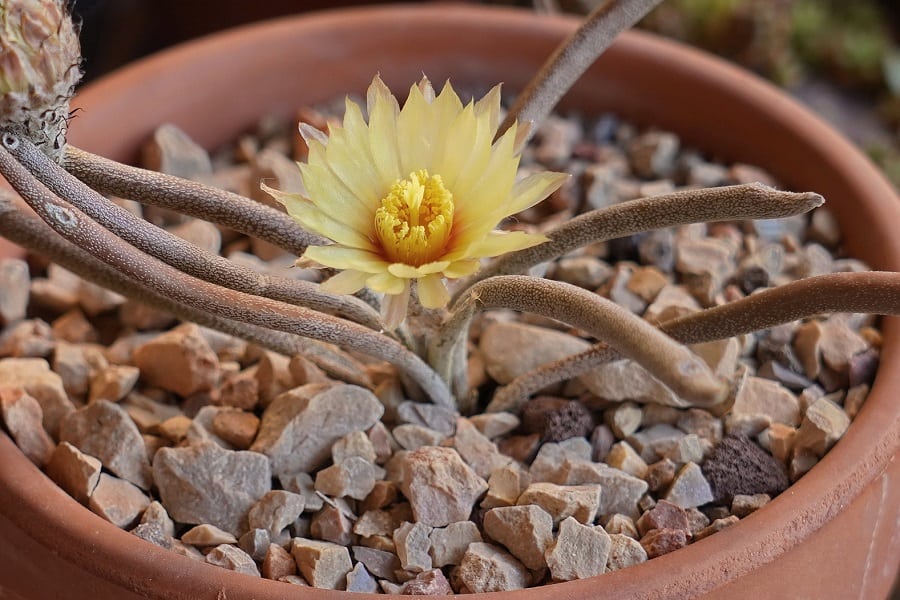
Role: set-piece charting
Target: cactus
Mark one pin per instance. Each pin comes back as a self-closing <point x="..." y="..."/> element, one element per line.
<point x="39" y="67"/>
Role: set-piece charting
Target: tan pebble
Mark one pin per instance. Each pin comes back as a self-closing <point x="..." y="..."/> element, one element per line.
<point x="74" y="327"/>
<point x="146" y="412"/>
<point x="620" y="490"/>
<point x="105" y="430"/>
<point x="232" y="558"/>
<point x="781" y="441"/>
<point x="156" y="513"/>
<point x="494" y="425"/>
<point x="579" y="501"/>
<point x="15" y="282"/>
<point x="440" y="487"/>
<point x="839" y="344"/>
<point x="143" y="317"/>
<point x="716" y="526"/>
<point x="376" y="522"/>
<point x="856" y="397"/>
<point x="275" y="510"/>
<point x="510" y="349"/>
<point x="75" y="364"/>
<point x="623" y="457"/>
<point x="742" y="505"/>
<point x="487" y="568"/>
<point x="624" y="551"/>
<point x="299" y="427"/>
<point x="207" y="535"/>
<point x="380" y="563"/>
<point x="619" y="524"/>
<point x="823" y="425"/>
<point x="700" y="422"/>
<point x="621" y="380"/>
<point x="384" y="493"/>
<point x="624" y="419"/>
<point x="354" y="477"/>
<point x="413" y="543"/>
<point x="646" y="282"/>
<point x="46" y="293"/>
<point x="118" y="501"/>
<point x="273" y="375"/>
<point x="579" y="551"/>
<point x="24" y="420"/>
<point x="660" y="474"/>
<point x="302" y="483"/>
<point x="27" y="339"/>
<point x="180" y="361"/>
<point x="382" y="442"/>
<point x="323" y="564"/>
<point x="256" y="542"/>
<point x="448" y="544"/>
<point x="95" y="300"/>
<point x="476" y="449"/>
<point x="331" y="524"/>
<point x="802" y="460"/>
<point x="410" y="436"/>
<point x="170" y="150"/>
<point x="721" y="355"/>
<point x="526" y="531"/>
<point x="240" y="390"/>
<point x="758" y="396"/>
<point x="520" y="447"/>
<point x="174" y="428"/>
<point x="807" y="345"/>
<point x="293" y="580"/>
<point x="355" y="443"/>
<point x="548" y="464"/>
<point x="662" y="541"/>
<point x="505" y="485"/>
<point x="75" y="472"/>
<point x="689" y="488"/>
<point x="113" y="383"/>
<point x="305" y="371"/>
<point x="278" y="563"/>
<point x="238" y="428"/>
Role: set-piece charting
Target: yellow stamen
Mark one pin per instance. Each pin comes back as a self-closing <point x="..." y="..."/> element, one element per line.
<point x="414" y="221"/>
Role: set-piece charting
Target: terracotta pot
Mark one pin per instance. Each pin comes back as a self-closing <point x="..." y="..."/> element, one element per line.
<point x="834" y="534"/>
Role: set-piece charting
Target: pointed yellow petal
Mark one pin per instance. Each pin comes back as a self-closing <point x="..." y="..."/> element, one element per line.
<point x="432" y="291"/>
<point x="488" y="108"/>
<point x="329" y="193"/>
<point x="501" y="242"/>
<point x="386" y="283"/>
<point x="413" y="135"/>
<point x="345" y="282"/>
<point x="533" y="189"/>
<point x="379" y="92"/>
<point x="462" y="268"/>
<point x="383" y="115"/>
<point x="411" y="272"/>
<point x="310" y="217"/>
<point x="339" y="257"/>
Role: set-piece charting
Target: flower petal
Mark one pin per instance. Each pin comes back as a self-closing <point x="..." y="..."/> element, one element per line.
<point x="533" y="189"/>
<point x="501" y="242"/>
<point x="411" y="272"/>
<point x="432" y="291"/>
<point x="310" y="217"/>
<point x="394" y="307"/>
<point x="345" y="282"/>
<point x="386" y="283"/>
<point x="383" y="115"/>
<point x="488" y="107"/>
<point x="462" y="268"/>
<point x="340" y="257"/>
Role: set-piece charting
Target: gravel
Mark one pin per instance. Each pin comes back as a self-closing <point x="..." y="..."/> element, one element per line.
<point x="177" y="433"/>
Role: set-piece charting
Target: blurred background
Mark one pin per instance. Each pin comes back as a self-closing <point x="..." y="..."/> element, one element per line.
<point x="841" y="58"/>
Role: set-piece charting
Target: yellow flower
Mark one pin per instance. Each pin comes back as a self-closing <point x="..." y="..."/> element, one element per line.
<point x="413" y="193"/>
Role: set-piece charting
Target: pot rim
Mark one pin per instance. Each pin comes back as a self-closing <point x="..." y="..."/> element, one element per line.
<point x="855" y="462"/>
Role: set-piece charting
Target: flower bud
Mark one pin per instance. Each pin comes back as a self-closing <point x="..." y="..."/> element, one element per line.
<point x="39" y="67"/>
